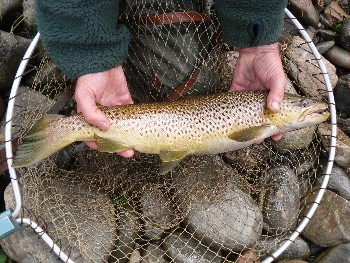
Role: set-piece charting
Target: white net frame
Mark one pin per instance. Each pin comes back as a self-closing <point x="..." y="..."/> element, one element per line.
<point x="283" y="245"/>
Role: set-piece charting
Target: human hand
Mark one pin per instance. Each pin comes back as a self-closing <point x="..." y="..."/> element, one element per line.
<point x="107" y="88"/>
<point x="261" y="68"/>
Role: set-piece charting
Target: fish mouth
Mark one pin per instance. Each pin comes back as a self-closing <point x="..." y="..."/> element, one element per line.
<point x="312" y="112"/>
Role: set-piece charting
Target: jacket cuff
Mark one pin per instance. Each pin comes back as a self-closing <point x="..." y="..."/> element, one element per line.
<point x="251" y="23"/>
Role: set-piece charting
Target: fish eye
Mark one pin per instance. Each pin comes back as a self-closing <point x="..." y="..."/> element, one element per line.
<point x="304" y="103"/>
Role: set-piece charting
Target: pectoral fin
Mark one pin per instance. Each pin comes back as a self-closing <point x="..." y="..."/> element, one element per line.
<point x="251" y="133"/>
<point x="109" y="145"/>
<point x="170" y="159"/>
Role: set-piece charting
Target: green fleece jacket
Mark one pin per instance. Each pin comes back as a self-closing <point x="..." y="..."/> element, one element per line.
<point x="82" y="36"/>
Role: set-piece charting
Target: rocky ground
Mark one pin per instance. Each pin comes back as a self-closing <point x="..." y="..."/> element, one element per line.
<point x="226" y="208"/>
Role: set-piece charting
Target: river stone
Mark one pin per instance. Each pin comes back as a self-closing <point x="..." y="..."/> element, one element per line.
<point x="342" y="95"/>
<point x="342" y="151"/>
<point x="339" y="253"/>
<point x="344" y="34"/>
<point x="330" y="225"/>
<point x="304" y="11"/>
<point x="327" y="35"/>
<point x="233" y="220"/>
<point x="29" y="17"/>
<point x="344" y="125"/>
<point x="302" y="68"/>
<point x="2" y="107"/>
<point x="334" y="14"/>
<point x="183" y="248"/>
<point x="158" y="210"/>
<point x="128" y="228"/>
<point x="323" y="47"/>
<point x="281" y="200"/>
<point x="296" y="140"/>
<point x="78" y="216"/>
<point x="297" y="249"/>
<point x="152" y="253"/>
<point x="339" y="57"/>
<point x="12" y="49"/>
<point x="339" y="182"/>
<point x="247" y="256"/>
<point x="7" y="7"/>
<point x="292" y="261"/>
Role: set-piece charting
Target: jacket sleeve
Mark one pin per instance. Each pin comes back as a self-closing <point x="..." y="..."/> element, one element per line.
<point x="82" y="36"/>
<point x="250" y="23"/>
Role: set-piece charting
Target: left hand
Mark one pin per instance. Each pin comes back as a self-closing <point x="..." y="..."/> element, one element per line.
<point x="258" y="69"/>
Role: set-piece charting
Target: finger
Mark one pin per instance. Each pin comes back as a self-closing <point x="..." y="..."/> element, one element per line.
<point x="277" y="137"/>
<point x="127" y="153"/>
<point x="276" y="94"/>
<point x="91" y="145"/>
<point x="93" y="115"/>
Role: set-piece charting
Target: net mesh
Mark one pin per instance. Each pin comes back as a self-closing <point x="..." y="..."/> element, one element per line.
<point x="237" y="206"/>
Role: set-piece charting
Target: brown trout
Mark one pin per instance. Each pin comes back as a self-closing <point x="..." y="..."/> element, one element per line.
<point x="201" y="125"/>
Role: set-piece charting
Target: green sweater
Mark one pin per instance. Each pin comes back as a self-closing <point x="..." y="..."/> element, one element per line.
<point x="84" y="37"/>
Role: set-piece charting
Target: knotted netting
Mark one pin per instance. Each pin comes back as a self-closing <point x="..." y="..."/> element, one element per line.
<point x="234" y="207"/>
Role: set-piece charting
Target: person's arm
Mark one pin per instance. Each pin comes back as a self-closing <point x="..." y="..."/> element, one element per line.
<point x="85" y="41"/>
<point x="82" y="36"/>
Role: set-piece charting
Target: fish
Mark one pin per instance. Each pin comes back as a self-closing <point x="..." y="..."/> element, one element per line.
<point x="208" y="124"/>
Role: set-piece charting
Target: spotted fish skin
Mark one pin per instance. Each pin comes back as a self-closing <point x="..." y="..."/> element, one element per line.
<point x="201" y="125"/>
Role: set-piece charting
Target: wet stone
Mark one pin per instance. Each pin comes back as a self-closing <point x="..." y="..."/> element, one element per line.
<point x="152" y="253"/>
<point x="304" y="11"/>
<point x="339" y="182"/>
<point x="339" y="253"/>
<point x="7" y="8"/>
<point x="339" y="57"/>
<point x="280" y="200"/>
<point x="297" y="249"/>
<point x="344" y="34"/>
<point x="327" y="35"/>
<point x="184" y="248"/>
<point x="342" y="95"/>
<point x="330" y="225"/>
<point x="2" y="107"/>
<point x="233" y="220"/>
<point x="323" y="47"/>
<point x="344" y="125"/>
<point x="334" y="14"/>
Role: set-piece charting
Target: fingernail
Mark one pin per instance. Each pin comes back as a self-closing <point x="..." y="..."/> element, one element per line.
<point x="103" y="126"/>
<point x="276" y="105"/>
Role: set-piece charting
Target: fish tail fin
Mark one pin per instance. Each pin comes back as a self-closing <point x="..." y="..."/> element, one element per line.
<point x="36" y="145"/>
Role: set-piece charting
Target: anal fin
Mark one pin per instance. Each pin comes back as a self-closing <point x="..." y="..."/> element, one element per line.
<point x="108" y="145"/>
<point x="170" y="159"/>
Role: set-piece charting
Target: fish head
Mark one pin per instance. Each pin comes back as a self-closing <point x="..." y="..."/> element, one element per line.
<point x="298" y="112"/>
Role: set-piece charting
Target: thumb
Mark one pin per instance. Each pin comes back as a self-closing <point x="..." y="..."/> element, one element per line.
<point x="276" y="94"/>
<point x="93" y="115"/>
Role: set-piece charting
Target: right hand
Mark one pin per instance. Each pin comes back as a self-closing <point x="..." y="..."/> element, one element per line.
<point x="107" y="88"/>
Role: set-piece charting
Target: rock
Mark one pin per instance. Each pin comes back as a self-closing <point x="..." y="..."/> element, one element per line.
<point x="339" y="182"/>
<point x="330" y="225"/>
<point x="342" y="95"/>
<point x="304" y="11"/>
<point x="158" y="210"/>
<point x="7" y="7"/>
<point x="78" y="216"/>
<point x="280" y="200"/>
<point x="327" y="35"/>
<point x="344" y="34"/>
<point x="298" y="249"/>
<point x="339" y="253"/>
<point x="249" y="159"/>
<point x="129" y="226"/>
<point x="153" y="254"/>
<point x="182" y="248"/>
<point x="302" y="68"/>
<point x="289" y="88"/>
<point x="295" y="140"/>
<point x="344" y="125"/>
<point x="323" y="47"/>
<point x="339" y="57"/>
<point x="233" y="220"/>
<point x="29" y="17"/>
<point x="12" y="49"/>
<point x="292" y="261"/>
<point x="334" y="14"/>
<point x="342" y="152"/>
